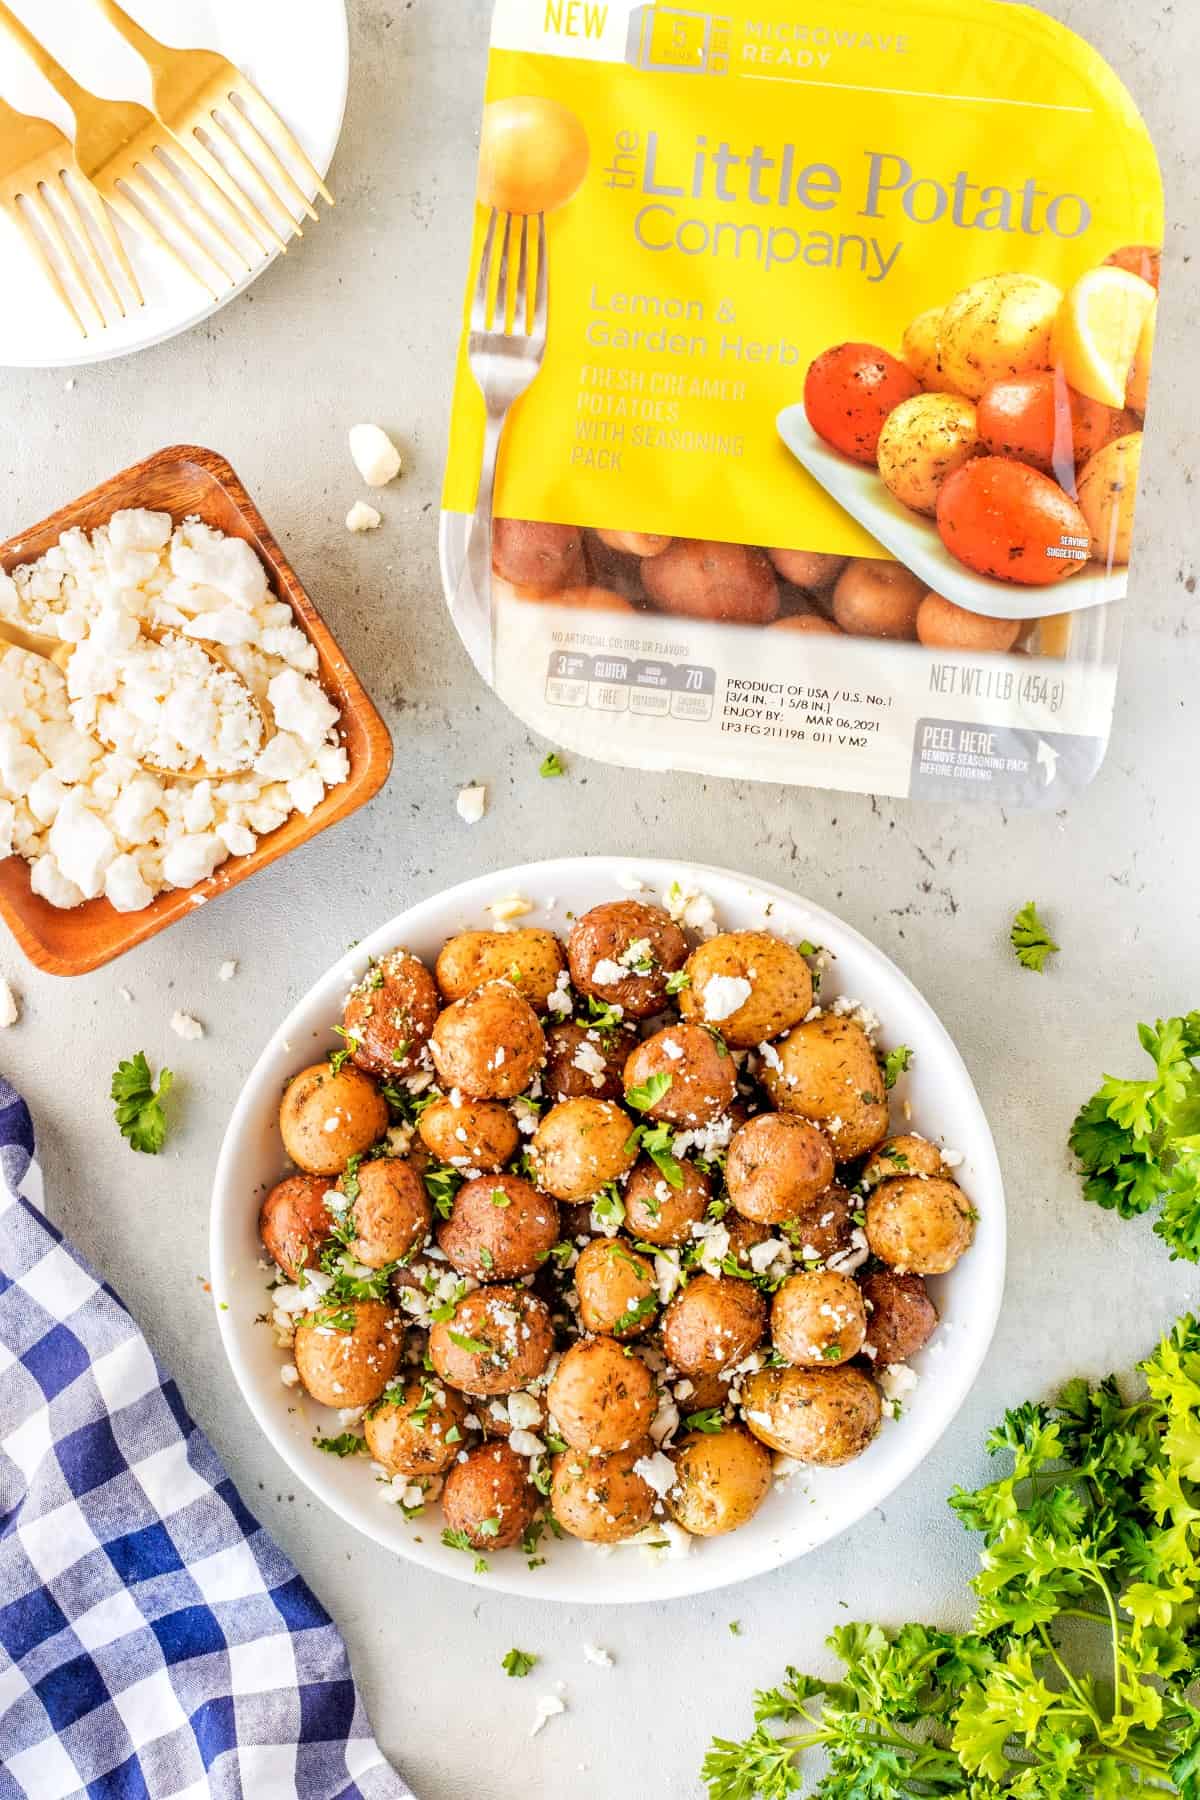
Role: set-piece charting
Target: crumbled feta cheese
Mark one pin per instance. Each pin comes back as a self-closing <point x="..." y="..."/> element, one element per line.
<point x="594" y="1654"/>
<point x="227" y="970"/>
<point x="588" y="1060"/>
<point x="184" y="1026"/>
<point x="509" y="907"/>
<point x="374" y="455"/>
<point x="548" y="1707"/>
<point x="559" y="999"/>
<point x="606" y="972"/>
<point x="524" y="1411"/>
<point x="471" y="803"/>
<point x="724" y="995"/>
<point x="898" y="1383"/>
<point x="362" y="517"/>
<point x="289" y="1375"/>
<point x="10" y="1010"/>
<point x="952" y="1158"/>
<point x="657" y="1471"/>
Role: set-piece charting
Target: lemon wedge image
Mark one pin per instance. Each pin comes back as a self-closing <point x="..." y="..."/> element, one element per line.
<point x="1098" y="331"/>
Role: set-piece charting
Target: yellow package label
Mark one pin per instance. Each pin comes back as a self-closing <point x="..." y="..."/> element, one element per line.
<point x="818" y="322"/>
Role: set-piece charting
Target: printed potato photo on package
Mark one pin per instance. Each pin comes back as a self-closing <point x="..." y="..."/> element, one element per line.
<point x="801" y="393"/>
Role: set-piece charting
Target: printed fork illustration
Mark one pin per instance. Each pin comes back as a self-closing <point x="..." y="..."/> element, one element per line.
<point x="504" y="362"/>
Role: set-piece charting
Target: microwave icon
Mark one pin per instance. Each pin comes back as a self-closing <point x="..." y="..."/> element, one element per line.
<point x="672" y="40"/>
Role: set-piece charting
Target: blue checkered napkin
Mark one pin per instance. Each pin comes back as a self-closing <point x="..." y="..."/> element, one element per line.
<point x="154" y="1642"/>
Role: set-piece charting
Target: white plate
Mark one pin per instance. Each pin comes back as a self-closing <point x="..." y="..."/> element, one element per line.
<point x="298" y="58"/>
<point x="914" y="540"/>
<point x="794" y="1519"/>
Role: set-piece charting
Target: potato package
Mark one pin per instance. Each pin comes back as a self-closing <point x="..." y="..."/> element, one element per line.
<point x="819" y="342"/>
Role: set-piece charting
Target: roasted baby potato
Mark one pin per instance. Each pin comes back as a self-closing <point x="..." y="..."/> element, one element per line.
<point x="602" y="1396"/>
<point x="812" y="570"/>
<point x="721" y="1480"/>
<point x="714" y="1323"/>
<point x="580" y="1146"/>
<point x="905" y="1154"/>
<point x="616" y="1287"/>
<point x="778" y="1164"/>
<point x="489" y="1497"/>
<point x="602" y="1499"/>
<point x="821" y="1416"/>
<point x="389" y="1207"/>
<point x="877" y="599"/>
<point x="489" y="1045"/>
<point x="699" y="580"/>
<point x="475" y="1134"/>
<point x="294" y="1223"/>
<point x="417" y="1428"/>
<point x="346" y="1353"/>
<point x="944" y="626"/>
<point x="826" y="1228"/>
<point x="818" y="1319"/>
<point x="547" y="558"/>
<point x="659" y="1213"/>
<point x="999" y="326"/>
<point x="849" y="391"/>
<point x="922" y="442"/>
<point x="325" y="1119"/>
<point x="688" y="1070"/>
<point x="918" y="1224"/>
<point x="499" y="1339"/>
<point x="389" y="1015"/>
<point x="583" y="1063"/>
<point x="826" y="1070"/>
<point x="1108" y="498"/>
<point x="744" y="1235"/>
<point x="499" y="1227"/>
<point x="777" y="975"/>
<point x="529" y="960"/>
<point x="901" y="1318"/>
<point x="623" y="953"/>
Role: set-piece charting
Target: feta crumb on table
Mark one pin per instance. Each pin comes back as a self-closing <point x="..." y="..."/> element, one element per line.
<point x="548" y="1707"/>
<point x="227" y="970"/>
<point x="374" y="455"/>
<point x="10" y="1010"/>
<point x="184" y="1026"/>
<point x="471" y="803"/>
<point x="594" y="1654"/>
<point x="362" y="517"/>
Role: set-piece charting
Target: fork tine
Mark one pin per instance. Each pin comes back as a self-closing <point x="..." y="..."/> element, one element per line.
<point x="521" y="309"/>
<point x="500" y="316"/>
<point x="141" y="182"/>
<point x="144" y="223"/>
<point x="164" y="172"/>
<point x="79" y="229"/>
<point x="98" y="213"/>
<point x="254" y="102"/>
<point x="541" y="287"/>
<point x="221" y="215"/>
<point x="283" y="173"/>
<point x="479" y="306"/>
<point x="215" y="124"/>
<point x="48" y="219"/>
<point x="48" y="269"/>
<point x="217" y="173"/>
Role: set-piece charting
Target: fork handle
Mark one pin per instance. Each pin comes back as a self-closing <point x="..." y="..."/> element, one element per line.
<point x="41" y="58"/>
<point x="148" y="48"/>
<point x="477" y="569"/>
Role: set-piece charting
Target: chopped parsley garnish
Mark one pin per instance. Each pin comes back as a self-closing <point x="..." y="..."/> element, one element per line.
<point x="735" y="1627"/>
<point x="458" y="1540"/>
<point x="895" y="1063"/>
<point x="831" y="1352"/>
<point x="648" y="1093"/>
<point x="486" y="1259"/>
<point x="139" y="1109"/>
<point x="1031" y="940"/>
<point x="807" y="948"/>
<point x="474" y="1346"/>
<point x="489" y="1528"/>
<point x="658" y="1143"/>
<point x="677" y="981"/>
<point x="500" y="1198"/>
<point x="518" y="1663"/>
<point x="348" y="1444"/>
<point x="709" y="1421"/>
<point x="645" y="1308"/>
<point x="604" y="1019"/>
<point x="442" y="1184"/>
<point x="552" y="765"/>
<point x="608" y="1206"/>
<point x="339" y="1058"/>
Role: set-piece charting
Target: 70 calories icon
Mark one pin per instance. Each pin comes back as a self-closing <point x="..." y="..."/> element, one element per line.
<point x="672" y="40"/>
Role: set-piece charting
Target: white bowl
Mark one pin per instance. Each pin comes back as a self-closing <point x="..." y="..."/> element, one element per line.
<point x="797" y="1516"/>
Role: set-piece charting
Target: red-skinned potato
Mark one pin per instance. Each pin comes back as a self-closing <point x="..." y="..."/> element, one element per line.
<point x="295" y="1223"/>
<point x="849" y="392"/>
<point x="943" y="626"/>
<point x="490" y="1497"/>
<point x="390" y="1210"/>
<point x="490" y="1045"/>
<point x="700" y="580"/>
<point x="1038" y="419"/>
<point x="812" y="570"/>
<point x="623" y="952"/>
<point x="877" y="599"/>
<point x="1007" y="520"/>
<point x="545" y="558"/>
<point x="811" y="624"/>
<point x="499" y="1227"/>
<point x="593" y="599"/>
<point x="634" y="543"/>
<point x="389" y="1015"/>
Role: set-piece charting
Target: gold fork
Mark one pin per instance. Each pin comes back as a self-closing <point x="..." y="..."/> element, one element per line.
<point x="195" y="91"/>
<point x="123" y="150"/>
<point x="52" y="215"/>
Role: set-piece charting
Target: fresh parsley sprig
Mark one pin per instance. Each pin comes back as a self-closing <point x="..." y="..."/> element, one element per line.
<point x="1096" y="1525"/>
<point x="1138" y="1142"/>
<point x="1031" y="939"/>
<point x="139" y="1110"/>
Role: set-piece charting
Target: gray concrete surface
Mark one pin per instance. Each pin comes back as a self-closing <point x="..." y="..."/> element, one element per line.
<point x="360" y="324"/>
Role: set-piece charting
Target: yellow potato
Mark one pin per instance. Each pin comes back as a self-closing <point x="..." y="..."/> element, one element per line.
<point x="827" y="1071"/>
<point x="995" y="328"/>
<point x="1137" y="389"/>
<point x="531" y="959"/>
<point x="721" y="1480"/>
<point x="781" y="989"/>
<point x="919" y="350"/>
<point x="944" y="626"/>
<point x="533" y="154"/>
<point x="922" y="442"/>
<point x="1108" y="497"/>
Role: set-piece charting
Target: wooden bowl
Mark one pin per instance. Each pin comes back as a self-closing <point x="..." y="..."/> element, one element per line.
<point x="186" y="481"/>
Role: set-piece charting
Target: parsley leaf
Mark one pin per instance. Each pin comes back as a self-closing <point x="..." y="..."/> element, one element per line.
<point x="518" y="1663"/>
<point x="552" y="765"/>
<point x="139" y="1109"/>
<point x="649" y="1092"/>
<point x="1031" y="940"/>
<point x="349" y="1444"/>
<point x="895" y="1063"/>
<point x="472" y="1345"/>
<point x="710" y="1420"/>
